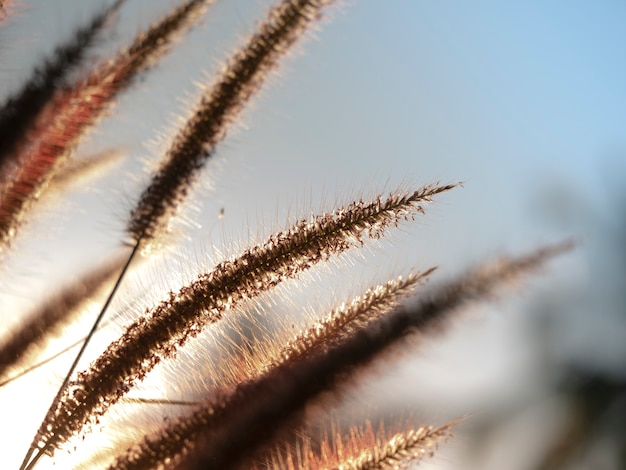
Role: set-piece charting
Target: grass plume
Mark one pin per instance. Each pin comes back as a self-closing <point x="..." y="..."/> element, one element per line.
<point x="397" y="451"/>
<point x="218" y="107"/>
<point x="155" y="450"/>
<point x="185" y="313"/>
<point x="347" y="318"/>
<point x="229" y="428"/>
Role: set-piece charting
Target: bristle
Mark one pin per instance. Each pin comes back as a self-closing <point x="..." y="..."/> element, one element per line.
<point x="46" y="322"/>
<point x="282" y="393"/>
<point x="183" y="315"/>
<point x="19" y="112"/>
<point x="242" y="76"/>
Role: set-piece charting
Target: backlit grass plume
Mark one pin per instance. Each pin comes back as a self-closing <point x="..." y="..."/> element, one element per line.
<point x="174" y="440"/>
<point x="185" y="313"/>
<point x="237" y="374"/>
<point x="362" y="448"/>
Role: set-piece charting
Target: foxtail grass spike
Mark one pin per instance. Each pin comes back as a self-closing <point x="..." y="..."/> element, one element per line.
<point x="42" y="159"/>
<point x="220" y="105"/>
<point x="18" y="114"/>
<point x="183" y="314"/>
<point x="150" y="45"/>
<point x="282" y="394"/>
<point x="362" y="448"/>
<point x="398" y="451"/>
<point x="374" y="302"/>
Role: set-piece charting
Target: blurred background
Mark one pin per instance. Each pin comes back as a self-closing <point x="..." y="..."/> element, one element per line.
<point x="523" y="101"/>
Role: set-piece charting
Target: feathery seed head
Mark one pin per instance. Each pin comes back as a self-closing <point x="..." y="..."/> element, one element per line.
<point x="219" y="106"/>
<point x="183" y="314"/>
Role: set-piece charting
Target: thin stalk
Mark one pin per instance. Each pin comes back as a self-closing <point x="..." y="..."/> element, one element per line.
<point x="27" y="463"/>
